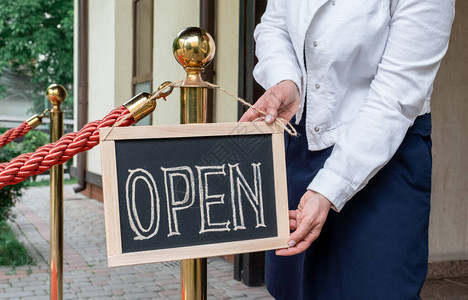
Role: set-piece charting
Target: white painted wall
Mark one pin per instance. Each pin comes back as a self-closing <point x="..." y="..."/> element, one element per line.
<point x="123" y="51"/>
<point x="101" y="68"/>
<point x="226" y="61"/>
<point x="110" y="62"/>
<point x="110" y="58"/>
<point x="16" y="106"/>
<point x="170" y="17"/>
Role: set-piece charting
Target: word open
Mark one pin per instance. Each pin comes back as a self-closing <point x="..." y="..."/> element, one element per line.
<point x="196" y="181"/>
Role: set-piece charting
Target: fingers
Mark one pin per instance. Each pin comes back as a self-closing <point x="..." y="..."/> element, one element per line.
<point x="307" y="221"/>
<point x="282" y="99"/>
<point x="293" y="223"/>
<point x="303" y="231"/>
<point x="293" y="214"/>
<point x="274" y="103"/>
<point x="302" y="238"/>
<point x="251" y="114"/>
<point x="300" y="246"/>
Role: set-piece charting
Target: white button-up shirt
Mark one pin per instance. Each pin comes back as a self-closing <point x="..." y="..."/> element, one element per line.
<point x="371" y="65"/>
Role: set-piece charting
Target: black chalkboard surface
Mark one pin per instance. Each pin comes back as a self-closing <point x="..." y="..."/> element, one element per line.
<point x="198" y="190"/>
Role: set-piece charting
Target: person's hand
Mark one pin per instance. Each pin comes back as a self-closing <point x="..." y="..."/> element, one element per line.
<point x="281" y="100"/>
<point x="307" y="221"/>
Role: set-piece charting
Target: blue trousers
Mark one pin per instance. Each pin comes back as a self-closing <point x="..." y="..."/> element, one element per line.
<point x="377" y="246"/>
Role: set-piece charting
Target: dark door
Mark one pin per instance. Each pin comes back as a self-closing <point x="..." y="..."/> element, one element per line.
<point x="250" y="14"/>
<point x="250" y="267"/>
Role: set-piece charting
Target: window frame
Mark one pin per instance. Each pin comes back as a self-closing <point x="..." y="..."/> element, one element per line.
<point x="147" y="77"/>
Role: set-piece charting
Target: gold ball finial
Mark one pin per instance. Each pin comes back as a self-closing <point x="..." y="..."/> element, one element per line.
<point x="194" y="48"/>
<point x="56" y="94"/>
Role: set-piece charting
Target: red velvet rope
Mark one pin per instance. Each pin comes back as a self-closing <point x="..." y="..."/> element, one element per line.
<point x="66" y="147"/>
<point x="14" y="133"/>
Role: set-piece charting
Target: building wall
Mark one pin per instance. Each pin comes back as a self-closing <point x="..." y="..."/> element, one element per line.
<point x="226" y="61"/>
<point x="101" y="66"/>
<point x="110" y="58"/>
<point x="123" y="51"/>
<point x="449" y="216"/>
<point x="17" y="104"/>
<point x="170" y="17"/>
<point x="110" y="62"/>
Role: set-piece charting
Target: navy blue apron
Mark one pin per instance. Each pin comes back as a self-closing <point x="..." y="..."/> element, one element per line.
<point x="377" y="246"/>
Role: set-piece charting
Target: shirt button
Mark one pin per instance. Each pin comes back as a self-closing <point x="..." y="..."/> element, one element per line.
<point x="317" y="86"/>
<point x="317" y="129"/>
<point x="334" y="3"/>
<point x="315" y="44"/>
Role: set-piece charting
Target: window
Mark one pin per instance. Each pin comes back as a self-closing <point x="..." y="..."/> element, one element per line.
<point x="143" y="50"/>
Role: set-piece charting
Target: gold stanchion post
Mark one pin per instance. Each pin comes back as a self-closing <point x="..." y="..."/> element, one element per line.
<point x="56" y="94"/>
<point x="194" y="49"/>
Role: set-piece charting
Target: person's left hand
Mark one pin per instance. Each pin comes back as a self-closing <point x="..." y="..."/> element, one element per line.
<point x="307" y="221"/>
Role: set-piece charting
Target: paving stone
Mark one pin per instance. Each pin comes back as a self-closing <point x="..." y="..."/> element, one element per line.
<point x="32" y="286"/>
<point x="37" y="297"/>
<point x="13" y="289"/>
<point x="94" y="294"/>
<point x="444" y="289"/>
<point x="169" y="293"/>
<point x="11" y="295"/>
<point x="118" y="292"/>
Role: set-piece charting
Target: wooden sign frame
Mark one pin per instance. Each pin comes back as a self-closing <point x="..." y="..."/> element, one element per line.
<point x="111" y="197"/>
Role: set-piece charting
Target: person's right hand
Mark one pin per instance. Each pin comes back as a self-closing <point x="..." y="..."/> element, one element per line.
<point x="279" y="101"/>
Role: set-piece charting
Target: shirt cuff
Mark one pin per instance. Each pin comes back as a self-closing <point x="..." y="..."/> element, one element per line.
<point x="278" y="74"/>
<point x="333" y="187"/>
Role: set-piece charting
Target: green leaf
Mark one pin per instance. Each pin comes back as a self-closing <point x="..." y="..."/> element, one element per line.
<point x="32" y="44"/>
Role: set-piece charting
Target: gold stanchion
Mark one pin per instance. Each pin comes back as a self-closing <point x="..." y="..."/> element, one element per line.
<point x="56" y="95"/>
<point x="194" y="49"/>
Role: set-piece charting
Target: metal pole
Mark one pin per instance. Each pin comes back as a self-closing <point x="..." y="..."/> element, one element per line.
<point x="193" y="279"/>
<point x="193" y="272"/>
<point x="193" y="48"/>
<point x="56" y="95"/>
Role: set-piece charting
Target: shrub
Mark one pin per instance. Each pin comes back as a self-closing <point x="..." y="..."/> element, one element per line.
<point x="11" y="193"/>
<point x="33" y="140"/>
<point x="12" y="251"/>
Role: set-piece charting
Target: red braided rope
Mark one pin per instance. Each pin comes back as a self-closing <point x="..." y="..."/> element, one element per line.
<point x="14" y="133"/>
<point x="66" y="147"/>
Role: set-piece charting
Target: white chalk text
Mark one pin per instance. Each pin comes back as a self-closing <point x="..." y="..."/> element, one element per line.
<point x="181" y="185"/>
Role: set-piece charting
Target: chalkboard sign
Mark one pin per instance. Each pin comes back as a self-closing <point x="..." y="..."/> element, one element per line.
<point x="196" y="190"/>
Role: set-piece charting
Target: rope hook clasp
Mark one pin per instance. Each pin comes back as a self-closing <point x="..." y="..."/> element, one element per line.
<point x="164" y="90"/>
<point x="144" y="103"/>
<point x="36" y="120"/>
